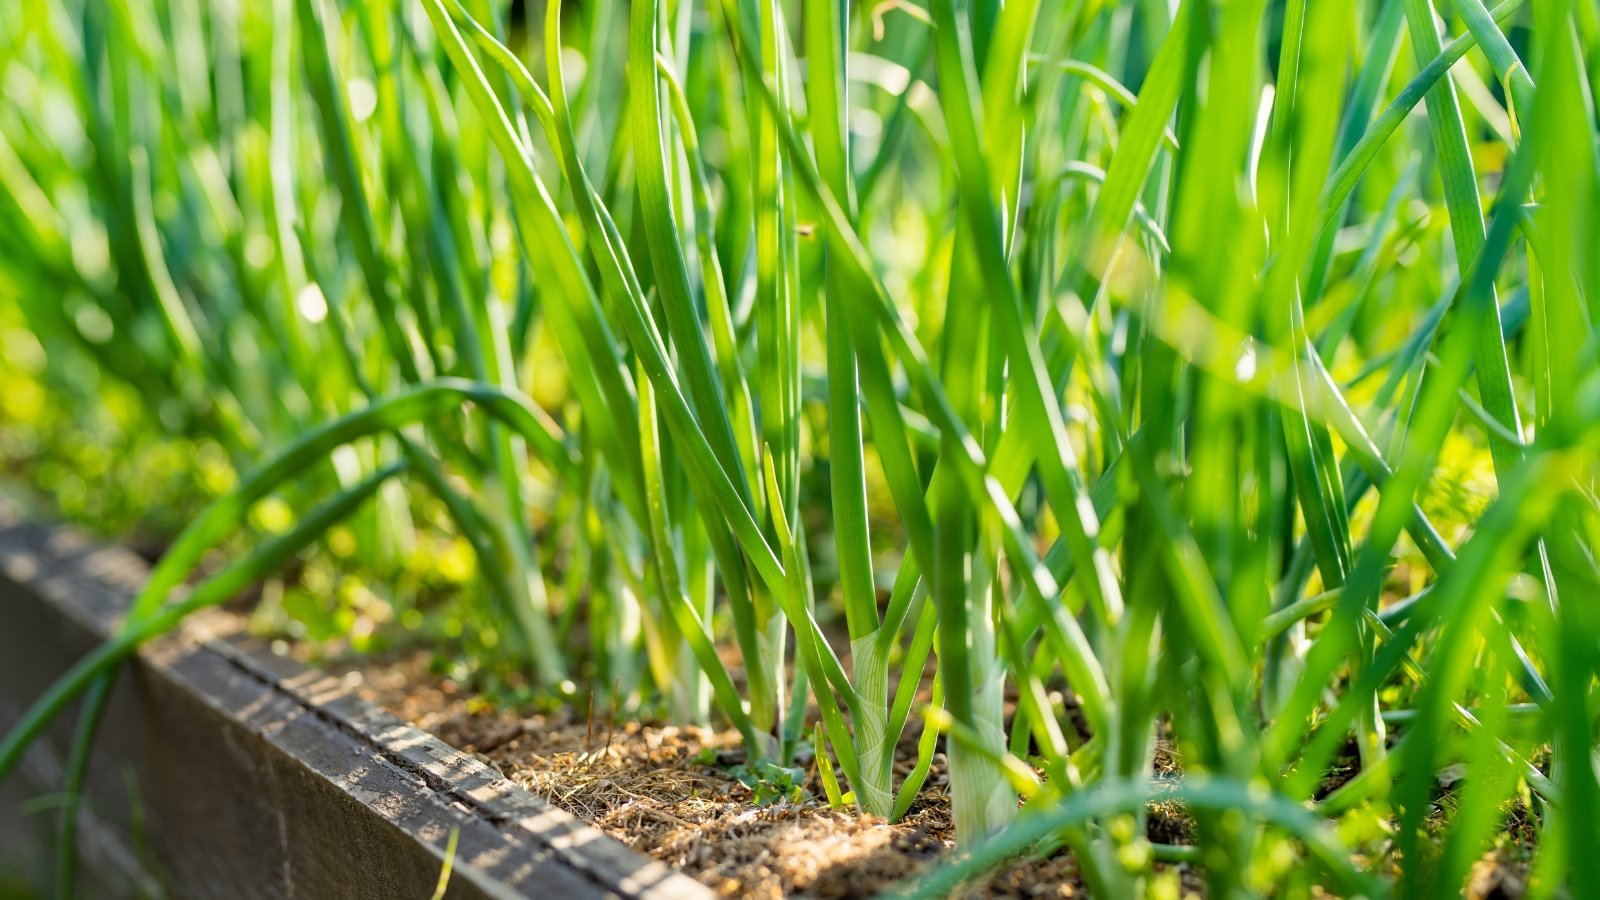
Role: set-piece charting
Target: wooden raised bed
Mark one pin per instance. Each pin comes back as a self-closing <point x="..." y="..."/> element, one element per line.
<point x="223" y="770"/>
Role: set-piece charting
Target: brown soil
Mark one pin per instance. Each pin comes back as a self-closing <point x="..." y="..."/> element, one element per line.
<point x="671" y="793"/>
<point x="651" y="788"/>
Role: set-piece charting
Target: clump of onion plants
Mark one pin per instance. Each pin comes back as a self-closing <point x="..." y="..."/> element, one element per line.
<point x="1120" y="359"/>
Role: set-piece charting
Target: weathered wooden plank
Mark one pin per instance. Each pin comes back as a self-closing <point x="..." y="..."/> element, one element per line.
<point x="223" y="770"/>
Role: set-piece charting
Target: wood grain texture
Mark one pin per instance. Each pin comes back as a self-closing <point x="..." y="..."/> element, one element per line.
<point x="223" y="770"/>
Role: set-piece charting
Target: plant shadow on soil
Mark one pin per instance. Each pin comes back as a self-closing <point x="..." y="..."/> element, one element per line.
<point x="670" y="792"/>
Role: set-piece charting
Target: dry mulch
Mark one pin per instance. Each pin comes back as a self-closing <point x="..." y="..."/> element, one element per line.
<point x="649" y="787"/>
<point x="669" y="792"/>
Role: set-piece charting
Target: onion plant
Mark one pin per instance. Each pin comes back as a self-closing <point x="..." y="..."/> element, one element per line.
<point x="1059" y="385"/>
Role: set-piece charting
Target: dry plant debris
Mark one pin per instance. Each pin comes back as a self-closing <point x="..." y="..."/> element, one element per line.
<point x="647" y="786"/>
